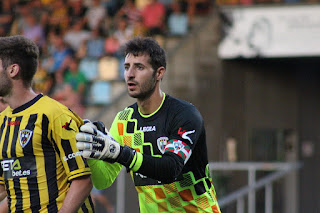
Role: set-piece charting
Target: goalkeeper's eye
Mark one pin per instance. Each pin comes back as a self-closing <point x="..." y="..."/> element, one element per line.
<point x="140" y="67"/>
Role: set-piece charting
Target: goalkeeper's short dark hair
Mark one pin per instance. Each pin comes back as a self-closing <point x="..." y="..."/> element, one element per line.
<point x="149" y="46"/>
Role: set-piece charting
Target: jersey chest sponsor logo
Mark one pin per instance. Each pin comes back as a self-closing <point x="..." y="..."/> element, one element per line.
<point x="148" y="129"/>
<point x="17" y="168"/>
<point x="24" y="137"/>
<point x="162" y="142"/>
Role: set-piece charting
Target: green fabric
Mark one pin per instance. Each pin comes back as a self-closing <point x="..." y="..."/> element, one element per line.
<point x="104" y="173"/>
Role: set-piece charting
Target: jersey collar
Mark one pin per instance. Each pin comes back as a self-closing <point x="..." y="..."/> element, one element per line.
<point x="148" y="116"/>
<point x="26" y="105"/>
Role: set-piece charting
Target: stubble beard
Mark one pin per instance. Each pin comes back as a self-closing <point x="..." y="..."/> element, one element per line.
<point x="146" y="89"/>
<point x="6" y="85"/>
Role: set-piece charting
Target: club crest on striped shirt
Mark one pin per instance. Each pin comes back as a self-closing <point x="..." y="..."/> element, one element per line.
<point x="24" y="137"/>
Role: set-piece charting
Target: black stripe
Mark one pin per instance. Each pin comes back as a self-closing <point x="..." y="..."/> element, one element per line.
<point x="49" y="165"/>
<point x="15" y="136"/>
<point x="26" y="105"/>
<point x="8" y="194"/>
<point x="32" y="182"/>
<point x="84" y="208"/>
<point x="54" y="144"/>
<point x="3" y="125"/>
<point x="91" y="203"/>
<point x="6" y="141"/>
<point x="18" y="193"/>
<point x="66" y="146"/>
<point x="52" y="208"/>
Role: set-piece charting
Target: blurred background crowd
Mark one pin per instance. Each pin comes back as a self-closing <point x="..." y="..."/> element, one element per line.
<point x="81" y="41"/>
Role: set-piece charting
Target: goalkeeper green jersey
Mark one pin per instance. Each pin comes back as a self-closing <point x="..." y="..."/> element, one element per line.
<point x="39" y="156"/>
<point x="175" y="128"/>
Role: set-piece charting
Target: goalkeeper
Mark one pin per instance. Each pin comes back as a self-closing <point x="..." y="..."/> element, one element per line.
<point x="160" y="139"/>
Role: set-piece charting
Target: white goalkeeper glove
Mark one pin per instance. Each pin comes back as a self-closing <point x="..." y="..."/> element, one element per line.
<point x="96" y="144"/>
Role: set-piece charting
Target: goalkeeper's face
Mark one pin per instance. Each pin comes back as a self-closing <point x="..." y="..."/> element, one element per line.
<point x="140" y="77"/>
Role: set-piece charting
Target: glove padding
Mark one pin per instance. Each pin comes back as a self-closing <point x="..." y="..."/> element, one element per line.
<point x="95" y="144"/>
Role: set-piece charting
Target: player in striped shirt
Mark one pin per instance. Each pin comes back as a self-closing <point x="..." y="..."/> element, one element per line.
<point x="41" y="168"/>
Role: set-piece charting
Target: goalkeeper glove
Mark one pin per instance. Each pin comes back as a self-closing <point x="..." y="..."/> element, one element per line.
<point x="95" y="143"/>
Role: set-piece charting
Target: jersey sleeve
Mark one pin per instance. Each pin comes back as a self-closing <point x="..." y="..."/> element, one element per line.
<point x="184" y="131"/>
<point x="64" y="130"/>
<point x="186" y="128"/>
<point x="104" y="173"/>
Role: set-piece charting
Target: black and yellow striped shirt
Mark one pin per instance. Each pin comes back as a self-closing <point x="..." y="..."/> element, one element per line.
<point x="38" y="155"/>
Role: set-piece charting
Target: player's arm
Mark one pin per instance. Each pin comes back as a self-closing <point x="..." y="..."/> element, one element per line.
<point x="103" y="147"/>
<point x="3" y="198"/>
<point x="79" y="190"/>
<point x="103" y="174"/>
<point x="95" y="144"/>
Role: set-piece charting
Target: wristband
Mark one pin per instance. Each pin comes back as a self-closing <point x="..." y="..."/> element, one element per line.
<point x="126" y="156"/>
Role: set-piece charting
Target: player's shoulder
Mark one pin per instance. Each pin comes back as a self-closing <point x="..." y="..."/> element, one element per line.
<point x="178" y="109"/>
<point x="126" y="112"/>
<point x="55" y="109"/>
<point x="180" y="105"/>
<point x="5" y="112"/>
<point x="52" y="105"/>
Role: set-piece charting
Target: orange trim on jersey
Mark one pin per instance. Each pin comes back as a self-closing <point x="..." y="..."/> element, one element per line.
<point x="186" y="195"/>
<point x="120" y="128"/>
<point x="159" y="193"/>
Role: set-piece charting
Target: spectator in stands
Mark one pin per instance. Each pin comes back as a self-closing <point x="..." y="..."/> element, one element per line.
<point x="196" y="6"/>
<point x="140" y="4"/>
<point x="47" y="3"/>
<point x="76" y="35"/>
<point x="6" y="17"/>
<point x="75" y="78"/>
<point x="64" y="94"/>
<point x="58" y="57"/>
<point x="95" y="44"/>
<point x="34" y="30"/>
<point x="59" y="17"/>
<point x="123" y="31"/>
<point x="177" y="21"/>
<point x="131" y="11"/>
<point x="23" y="9"/>
<point x="42" y="81"/>
<point x="77" y="11"/>
<point x="112" y="45"/>
<point x="154" y="17"/>
<point x="112" y="6"/>
<point x="95" y="14"/>
<point x="139" y="29"/>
